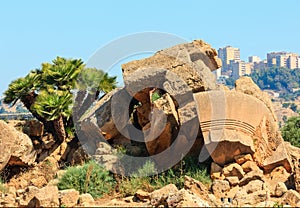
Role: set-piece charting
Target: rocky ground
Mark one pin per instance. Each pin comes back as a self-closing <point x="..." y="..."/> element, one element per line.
<point x="251" y="164"/>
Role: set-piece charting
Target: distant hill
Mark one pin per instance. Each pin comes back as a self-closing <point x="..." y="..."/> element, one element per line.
<point x="278" y="79"/>
<point x="17" y="108"/>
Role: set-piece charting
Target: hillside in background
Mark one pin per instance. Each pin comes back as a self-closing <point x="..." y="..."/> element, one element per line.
<point x="17" y="108"/>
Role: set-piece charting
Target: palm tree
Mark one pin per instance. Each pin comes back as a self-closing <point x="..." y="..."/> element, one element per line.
<point x="90" y="84"/>
<point x="106" y="84"/>
<point x="24" y="89"/>
<point x="55" y="107"/>
<point x="62" y="74"/>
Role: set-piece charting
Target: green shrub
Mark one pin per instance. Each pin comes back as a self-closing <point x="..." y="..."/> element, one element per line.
<point x="291" y="131"/>
<point x="189" y="166"/>
<point x="2" y="187"/>
<point x="89" y="178"/>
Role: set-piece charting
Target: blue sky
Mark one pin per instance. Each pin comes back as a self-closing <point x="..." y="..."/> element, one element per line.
<point x="33" y="32"/>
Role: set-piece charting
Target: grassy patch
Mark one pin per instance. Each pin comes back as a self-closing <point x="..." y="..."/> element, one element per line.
<point x="90" y="178"/>
<point x="189" y="166"/>
<point x="2" y="187"/>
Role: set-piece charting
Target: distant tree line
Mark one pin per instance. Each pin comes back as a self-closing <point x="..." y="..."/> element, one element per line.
<point x="291" y="131"/>
<point x="276" y="78"/>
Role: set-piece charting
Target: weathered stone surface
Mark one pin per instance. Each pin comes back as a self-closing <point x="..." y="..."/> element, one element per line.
<point x="85" y="200"/>
<point x="272" y="151"/>
<point x="8" y="200"/>
<point x="233" y="169"/>
<point x="253" y="186"/>
<point x="280" y="189"/>
<point x="183" y="198"/>
<point x="142" y="195"/>
<point x="246" y="85"/>
<point x="215" y="168"/>
<point x="98" y="122"/>
<point x="192" y="62"/>
<point x="196" y="187"/>
<point x="220" y="187"/>
<point x="278" y="175"/>
<point x="292" y="198"/>
<point x="34" y="128"/>
<point x="234" y="123"/>
<point x="40" y="175"/>
<point x="68" y="198"/>
<point x="243" y="199"/>
<point x="295" y="155"/>
<point x="159" y="197"/>
<point x="48" y="141"/>
<point x="279" y="157"/>
<point x="162" y="107"/>
<point x="44" y="197"/>
<point x="16" y="147"/>
<point x="240" y="159"/>
<point x="227" y="131"/>
<point x="233" y="180"/>
<point x="217" y="176"/>
<point x="251" y="176"/>
<point x="250" y="166"/>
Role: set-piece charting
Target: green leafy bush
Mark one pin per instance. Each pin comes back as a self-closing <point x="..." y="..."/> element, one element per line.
<point x="2" y="187"/>
<point x="291" y="131"/>
<point x="89" y="178"/>
<point x="189" y="166"/>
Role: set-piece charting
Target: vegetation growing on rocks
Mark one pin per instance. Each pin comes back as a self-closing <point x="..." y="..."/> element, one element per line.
<point x="291" y="131"/>
<point x="90" y="178"/>
<point x="48" y="93"/>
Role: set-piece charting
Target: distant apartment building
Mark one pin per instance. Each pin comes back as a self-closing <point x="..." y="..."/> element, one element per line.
<point x="260" y="65"/>
<point x="240" y="68"/>
<point x="283" y="59"/>
<point x="254" y="59"/>
<point x="227" y="55"/>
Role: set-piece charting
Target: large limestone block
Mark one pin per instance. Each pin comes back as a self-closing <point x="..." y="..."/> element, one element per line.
<point x="192" y="62"/>
<point x="234" y="123"/>
<point x="16" y="148"/>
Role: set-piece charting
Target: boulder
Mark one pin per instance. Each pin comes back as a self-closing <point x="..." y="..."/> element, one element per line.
<point x="233" y="169"/>
<point x="196" y="187"/>
<point x="183" y="198"/>
<point x="241" y="159"/>
<point x="292" y="198"/>
<point x="247" y="86"/>
<point x="44" y="197"/>
<point x="38" y="176"/>
<point x="192" y="62"/>
<point x="47" y="197"/>
<point x="251" y="176"/>
<point x="234" y="123"/>
<point x="233" y="180"/>
<point x="98" y="124"/>
<point x="68" y="198"/>
<point x="220" y="187"/>
<point x="250" y="166"/>
<point x="273" y="143"/>
<point x="280" y="189"/>
<point x="85" y="200"/>
<point x="253" y="186"/>
<point x="215" y="168"/>
<point x="243" y="199"/>
<point x="295" y="155"/>
<point x="159" y="197"/>
<point x="142" y="195"/>
<point x="16" y="147"/>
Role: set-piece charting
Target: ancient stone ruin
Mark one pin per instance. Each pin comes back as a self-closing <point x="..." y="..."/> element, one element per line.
<point x="170" y="107"/>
